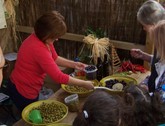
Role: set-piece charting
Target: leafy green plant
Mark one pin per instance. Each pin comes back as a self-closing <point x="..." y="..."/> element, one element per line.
<point x="98" y="33"/>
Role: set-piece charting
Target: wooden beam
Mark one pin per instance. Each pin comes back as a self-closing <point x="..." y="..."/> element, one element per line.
<point x="24" y="29"/>
<point x="79" y="38"/>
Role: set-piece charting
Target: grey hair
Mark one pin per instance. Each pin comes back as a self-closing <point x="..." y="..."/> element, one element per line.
<point x="150" y="13"/>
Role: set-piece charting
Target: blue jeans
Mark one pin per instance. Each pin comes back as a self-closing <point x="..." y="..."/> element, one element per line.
<point x="20" y="101"/>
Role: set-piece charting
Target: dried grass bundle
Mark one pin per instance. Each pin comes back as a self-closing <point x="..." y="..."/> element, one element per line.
<point x="99" y="46"/>
<point x="10" y="15"/>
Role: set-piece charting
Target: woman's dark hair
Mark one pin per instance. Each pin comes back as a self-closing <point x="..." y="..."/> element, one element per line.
<point x="100" y="109"/>
<point x="146" y="110"/>
<point x="51" y="25"/>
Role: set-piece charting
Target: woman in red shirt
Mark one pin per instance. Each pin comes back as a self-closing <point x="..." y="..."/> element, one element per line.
<point x="37" y="57"/>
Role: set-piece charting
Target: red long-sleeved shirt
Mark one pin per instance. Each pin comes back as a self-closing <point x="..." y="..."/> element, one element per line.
<point x="34" y="61"/>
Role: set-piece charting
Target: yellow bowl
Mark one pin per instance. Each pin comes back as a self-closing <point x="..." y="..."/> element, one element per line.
<point x="82" y="92"/>
<point x="27" y="109"/>
<point x="127" y="79"/>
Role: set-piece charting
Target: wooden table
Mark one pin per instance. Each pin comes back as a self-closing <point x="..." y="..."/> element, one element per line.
<point x="61" y="94"/>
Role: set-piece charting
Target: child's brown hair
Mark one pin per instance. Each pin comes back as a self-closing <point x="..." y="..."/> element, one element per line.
<point x="100" y="109"/>
<point x="146" y="110"/>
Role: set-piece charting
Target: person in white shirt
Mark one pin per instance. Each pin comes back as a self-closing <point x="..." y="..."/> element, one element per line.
<point x="157" y="34"/>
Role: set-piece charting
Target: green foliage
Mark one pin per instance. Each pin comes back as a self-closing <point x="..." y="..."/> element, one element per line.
<point x="98" y="33"/>
<point x="85" y="55"/>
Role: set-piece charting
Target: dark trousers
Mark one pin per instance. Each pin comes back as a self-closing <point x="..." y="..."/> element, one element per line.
<point x="20" y="101"/>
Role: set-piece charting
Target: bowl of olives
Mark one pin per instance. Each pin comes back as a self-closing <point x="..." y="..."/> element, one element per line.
<point x="81" y="91"/>
<point x="116" y="84"/>
<point x="51" y="111"/>
<point x="91" y="72"/>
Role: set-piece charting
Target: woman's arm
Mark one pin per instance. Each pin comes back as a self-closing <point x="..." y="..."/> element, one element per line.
<point x="69" y="63"/>
<point x="139" y="54"/>
<point x="82" y="83"/>
<point x="2" y="63"/>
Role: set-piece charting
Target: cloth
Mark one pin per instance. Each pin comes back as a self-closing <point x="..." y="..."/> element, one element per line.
<point x="20" y="101"/>
<point x="160" y="68"/>
<point x="34" y="61"/>
<point x="151" y="80"/>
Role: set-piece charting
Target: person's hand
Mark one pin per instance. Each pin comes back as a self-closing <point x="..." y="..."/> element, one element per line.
<point x="80" y="66"/>
<point x="88" y="85"/>
<point x="137" y="53"/>
<point x="144" y="86"/>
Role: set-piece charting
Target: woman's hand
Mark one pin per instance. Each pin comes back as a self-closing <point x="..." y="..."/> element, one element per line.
<point x="88" y="85"/>
<point x="80" y="66"/>
<point x="137" y="53"/>
<point x="82" y="83"/>
<point x="144" y="86"/>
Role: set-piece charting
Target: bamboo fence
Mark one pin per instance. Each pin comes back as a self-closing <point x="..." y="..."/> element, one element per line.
<point x="117" y="19"/>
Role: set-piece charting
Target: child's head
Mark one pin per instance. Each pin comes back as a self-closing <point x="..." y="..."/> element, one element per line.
<point x="158" y="36"/>
<point x="100" y="109"/>
<point x="146" y="110"/>
<point x="150" y="13"/>
<point x="137" y="94"/>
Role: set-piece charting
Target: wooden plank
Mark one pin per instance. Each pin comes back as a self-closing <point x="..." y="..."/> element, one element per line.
<point x="79" y="38"/>
<point x="24" y="29"/>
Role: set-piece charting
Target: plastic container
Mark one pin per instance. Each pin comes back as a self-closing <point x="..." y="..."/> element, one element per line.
<point x="72" y="101"/>
<point x="78" y="72"/>
<point x="163" y="93"/>
<point x="35" y="116"/>
<point x="45" y="93"/>
<point x="91" y="72"/>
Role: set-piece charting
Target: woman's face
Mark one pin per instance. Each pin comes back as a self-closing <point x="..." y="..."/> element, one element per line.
<point x="147" y="27"/>
<point x="50" y="41"/>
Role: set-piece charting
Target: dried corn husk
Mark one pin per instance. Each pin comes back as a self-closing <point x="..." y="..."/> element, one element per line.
<point x="10" y="15"/>
<point x="99" y="46"/>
